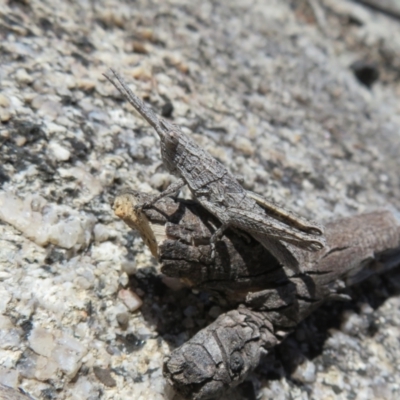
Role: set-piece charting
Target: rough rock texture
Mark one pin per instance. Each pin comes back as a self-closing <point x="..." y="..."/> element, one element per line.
<point x="270" y="90"/>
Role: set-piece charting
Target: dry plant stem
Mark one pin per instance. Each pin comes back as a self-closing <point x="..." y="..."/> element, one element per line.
<point x="270" y="299"/>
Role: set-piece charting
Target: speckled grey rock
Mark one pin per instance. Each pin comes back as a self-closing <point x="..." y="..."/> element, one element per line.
<point x="266" y="88"/>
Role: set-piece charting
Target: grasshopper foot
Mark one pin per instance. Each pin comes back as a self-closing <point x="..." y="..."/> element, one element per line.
<point x="215" y="237"/>
<point x="213" y="249"/>
<point x="242" y="235"/>
<point x="142" y="206"/>
<point x="315" y="245"/>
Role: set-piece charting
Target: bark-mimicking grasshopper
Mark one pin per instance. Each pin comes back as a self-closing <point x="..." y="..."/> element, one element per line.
<point x="218" y="191"/>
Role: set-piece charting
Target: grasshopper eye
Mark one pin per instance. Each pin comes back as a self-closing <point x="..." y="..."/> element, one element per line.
<point x="172" y="135"/>
<point x="172" y="138"/>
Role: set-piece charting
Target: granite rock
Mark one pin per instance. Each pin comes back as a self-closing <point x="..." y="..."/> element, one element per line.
<point x="266" y="88"/>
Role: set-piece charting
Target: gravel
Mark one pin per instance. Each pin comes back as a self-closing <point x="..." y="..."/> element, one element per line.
<point x="267" y="90"/>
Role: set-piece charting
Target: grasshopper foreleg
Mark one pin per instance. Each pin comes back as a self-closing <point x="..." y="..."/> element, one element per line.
<point x="172" y="188"/>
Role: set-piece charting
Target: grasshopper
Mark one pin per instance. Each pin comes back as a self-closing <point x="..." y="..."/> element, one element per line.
<point x="218" y="191"/>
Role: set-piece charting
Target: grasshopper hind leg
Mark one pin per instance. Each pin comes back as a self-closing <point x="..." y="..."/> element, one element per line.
<point x="281" y="251"/>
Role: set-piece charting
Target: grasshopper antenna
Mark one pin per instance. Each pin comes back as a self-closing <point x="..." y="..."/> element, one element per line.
<point x="146" y="112"/>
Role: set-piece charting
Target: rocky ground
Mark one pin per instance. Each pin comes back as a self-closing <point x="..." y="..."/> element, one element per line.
<point x="301" y="98"/>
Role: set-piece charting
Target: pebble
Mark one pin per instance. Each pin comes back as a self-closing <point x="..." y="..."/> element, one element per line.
<point x="90" y="186"/>
<point x="84" y="388"/>
<point x="53" y="128"/>
<point x="68" y="354"/>
<point x="244" y="145"/>
<point x="85" y="84"/>
<point x="63" y="91"/>
<point x="141" y="72"/>
<point x="123" y="279"/>
<point x="59" y="152"/>
<point x="104" y="376"/>
<point x="130" y="299"/>
<point x="4" y="275"/>
<point x="45" y="227"/>
<point x="101" y="233"/>
<point x="384" y="391"/>
<point x="107" y="176"/>
<point x="334" y="378"/>
<point x="45" y="368"/>
<point x="8" y="377"/>
<point x="5" y="322"/>
<point x="37" y="101"/>
<point x="138" y="47"/>
<point x="123" y="320"/>
<point x="160" y="181"/>
<point x="129" y="267"/>
<point x="5" y="115"/>
<point x="67" y="234"/>
<point x="305" y="372"/>
<point x="83" y="282"/>
<point x="27" y="364"/>
<point x="41" y="341"/>
<point x="4" y="101"/>
<point x="23" y="77"/>
<point x="50" y="109"/>
<point x="179" y="63"/>
<point x="352" y="323"/>
<point x="20" y="140"/>
<point x="10" y="338"/>
<point x="5" y="298"/>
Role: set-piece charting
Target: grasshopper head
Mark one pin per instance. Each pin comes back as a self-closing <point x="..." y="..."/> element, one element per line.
<point x="169" y="134"/>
